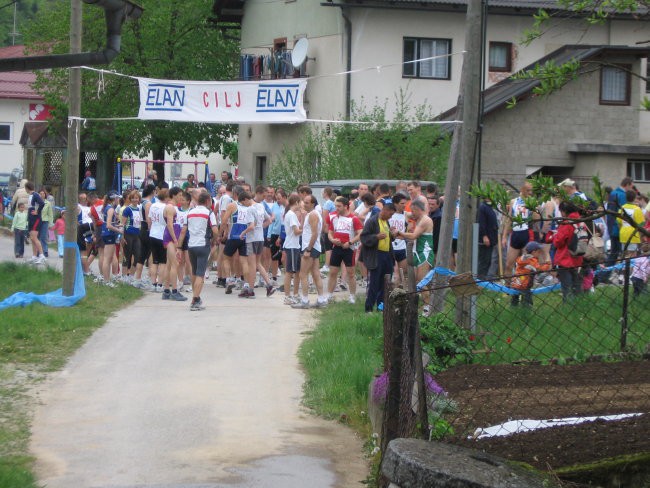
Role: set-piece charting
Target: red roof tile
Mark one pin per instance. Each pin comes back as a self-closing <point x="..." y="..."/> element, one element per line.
<point x="17" y="84"/>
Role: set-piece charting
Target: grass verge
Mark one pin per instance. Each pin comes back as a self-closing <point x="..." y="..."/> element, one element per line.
<point x="341" y="356"/>
<point x="34" y="340"/>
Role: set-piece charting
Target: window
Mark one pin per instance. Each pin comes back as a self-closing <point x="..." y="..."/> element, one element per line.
<point x="615" y="85"/>
<point x="261" y="168"/>
<point x="500" y="57"/>
<point x="6" y="133"/>
<point x="639" y="170"/>
<point x="439" y="68"/>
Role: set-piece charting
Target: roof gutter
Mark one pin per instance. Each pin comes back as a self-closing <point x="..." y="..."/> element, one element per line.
<point x="115" y="12"/>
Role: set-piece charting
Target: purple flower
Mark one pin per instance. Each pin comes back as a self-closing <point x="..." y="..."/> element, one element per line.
<point x="380" y="387"/>
<point x="432" y="386"/>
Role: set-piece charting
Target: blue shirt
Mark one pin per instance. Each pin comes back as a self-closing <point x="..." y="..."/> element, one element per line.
<point x="454" y="234"/>
<point x="275" y="229"/>
<point x="329" y="206"/>
<point x="131" y="214"/>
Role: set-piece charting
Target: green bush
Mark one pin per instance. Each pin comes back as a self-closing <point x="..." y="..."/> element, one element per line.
<point x="446" y="343"/>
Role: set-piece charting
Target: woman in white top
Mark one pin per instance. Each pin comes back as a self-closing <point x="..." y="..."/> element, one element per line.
<point x="311" y="251"/>
<point x="156" y="223"/>
<point x="291" y="248"/>
<point x="173" y="236"/>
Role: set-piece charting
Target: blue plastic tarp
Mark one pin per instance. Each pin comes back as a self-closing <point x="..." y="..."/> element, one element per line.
<point x="496" y="287"/>
<point x="55" y="298"/>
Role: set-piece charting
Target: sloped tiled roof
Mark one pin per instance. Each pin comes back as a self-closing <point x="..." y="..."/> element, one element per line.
<point x="17" y="84"/>
<point x="497" y="95"/>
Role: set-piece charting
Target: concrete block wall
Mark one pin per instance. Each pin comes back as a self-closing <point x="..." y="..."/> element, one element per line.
<point x="537" y="130"/>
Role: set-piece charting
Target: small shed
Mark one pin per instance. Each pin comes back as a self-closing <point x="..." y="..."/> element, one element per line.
<point x="45" y="153"/>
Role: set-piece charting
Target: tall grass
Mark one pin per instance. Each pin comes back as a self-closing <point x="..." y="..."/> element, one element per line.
<point x="37" y="339"/>
<point x="341" y="356"/>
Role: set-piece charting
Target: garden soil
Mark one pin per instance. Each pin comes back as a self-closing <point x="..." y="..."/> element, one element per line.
<point x="491" y="395"/>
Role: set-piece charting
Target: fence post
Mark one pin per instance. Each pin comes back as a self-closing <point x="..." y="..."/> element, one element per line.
<point x="626" y="300"/>
<point x="395" y="305"/>
<point x="413" y="333"/>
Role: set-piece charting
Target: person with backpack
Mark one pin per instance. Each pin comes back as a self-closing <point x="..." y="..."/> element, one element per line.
<point x="569" y="242"/>
<point x="89" y="183"/>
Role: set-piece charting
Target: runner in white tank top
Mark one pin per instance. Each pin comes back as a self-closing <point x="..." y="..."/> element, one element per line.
<point x="311" y="251"/>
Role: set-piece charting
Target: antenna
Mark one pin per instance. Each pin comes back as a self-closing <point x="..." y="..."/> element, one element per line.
<point x="299" y="52"/>
<point x="13" y="34"/>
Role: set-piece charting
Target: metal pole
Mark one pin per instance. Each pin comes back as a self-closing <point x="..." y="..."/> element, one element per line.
<point x="626" y="301"/>
<point x="72" y="164"/>
<point x="473" y="298"/>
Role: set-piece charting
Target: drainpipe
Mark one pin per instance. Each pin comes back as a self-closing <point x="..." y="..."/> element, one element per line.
<point x="115" y="11"/>
<point x="348" y="76"/>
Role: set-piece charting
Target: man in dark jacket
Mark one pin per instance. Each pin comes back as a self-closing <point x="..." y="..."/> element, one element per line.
<point x="377" y="254"/>
<point x="488" y="237"/>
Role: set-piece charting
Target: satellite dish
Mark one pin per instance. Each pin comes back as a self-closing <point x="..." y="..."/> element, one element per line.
<point x="299" y="53"/>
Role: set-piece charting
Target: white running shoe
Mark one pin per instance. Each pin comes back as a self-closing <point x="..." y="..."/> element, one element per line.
<point x="352" y="299"/>
<point x="291" y="300"/>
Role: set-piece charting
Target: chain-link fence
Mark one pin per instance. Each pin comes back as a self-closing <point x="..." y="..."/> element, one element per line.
<point x="541" y="378"/>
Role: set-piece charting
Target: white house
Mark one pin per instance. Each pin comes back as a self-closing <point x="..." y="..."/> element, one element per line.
<point x="19" y="103"/>
<point x="352" y="35"/>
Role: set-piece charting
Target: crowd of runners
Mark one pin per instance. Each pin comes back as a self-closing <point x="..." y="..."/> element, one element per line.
<point x="243" y="239"/>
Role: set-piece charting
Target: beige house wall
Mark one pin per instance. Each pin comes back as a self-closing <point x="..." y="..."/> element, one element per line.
<point x="377" y="40"/>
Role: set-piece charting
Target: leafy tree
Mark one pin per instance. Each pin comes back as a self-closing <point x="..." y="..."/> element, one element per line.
<point x="174" y="39"/>
<point x="377" y="148"/>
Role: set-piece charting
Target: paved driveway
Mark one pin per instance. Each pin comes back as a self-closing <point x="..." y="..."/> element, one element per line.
<point x="161" y="397"/>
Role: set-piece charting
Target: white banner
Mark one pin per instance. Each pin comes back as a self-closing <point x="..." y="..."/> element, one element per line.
<point x="243" y="102"/>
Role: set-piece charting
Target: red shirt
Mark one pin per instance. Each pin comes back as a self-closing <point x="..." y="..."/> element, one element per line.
<point x="344" y="227"/>
<point x="95" y="213"/>
<point x="561" y="241"/>
<point x="59" y="226"/>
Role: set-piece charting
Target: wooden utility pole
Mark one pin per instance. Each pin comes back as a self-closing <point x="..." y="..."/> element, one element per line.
<point x="462" y="157"/>
<point x="468" y="151"/>
<point x="469" y="134"/>
<point x="72" y="163"/>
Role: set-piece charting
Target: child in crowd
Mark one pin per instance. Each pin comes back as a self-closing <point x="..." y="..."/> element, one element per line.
<point x="19" y="226"/>
<point x="641" y="270"/>
<point x="527" y="264"/>
<point x="59" y="230"/>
